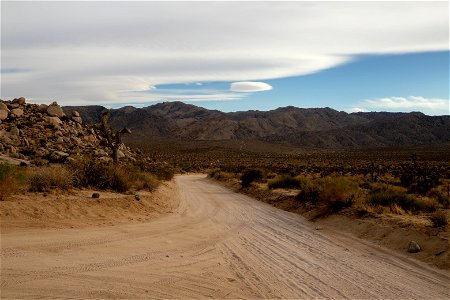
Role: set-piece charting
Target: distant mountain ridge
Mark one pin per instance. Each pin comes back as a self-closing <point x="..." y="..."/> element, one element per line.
<point x="323" y="128"/>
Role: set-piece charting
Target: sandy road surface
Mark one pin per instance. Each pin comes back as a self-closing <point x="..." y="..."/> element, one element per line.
<point x="217" y="244"/>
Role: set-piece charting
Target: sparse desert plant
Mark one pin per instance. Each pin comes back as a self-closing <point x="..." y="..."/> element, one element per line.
<point x="250" y="176"/>
<point x="92" y="173"/>
<point x="11" y="180"/>
<point x="120" y="179"/>
<point x="439" y="218"/>
<point x="309" y="192"/>
<point x="161" y="171"/>
<point x="42" y="179"/>
<point x="145" y="181"/>
<point x="337" y="193"/>
<point x="113" y="137"/>
<point x="284" y="182"/>
<point x="407" y="202"/>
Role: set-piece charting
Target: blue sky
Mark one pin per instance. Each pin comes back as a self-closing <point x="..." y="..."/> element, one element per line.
<point x="346" y="87"/>
<point x="351" y="56"/>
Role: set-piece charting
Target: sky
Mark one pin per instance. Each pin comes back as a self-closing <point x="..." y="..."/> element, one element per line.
<point x="230" y="56"/>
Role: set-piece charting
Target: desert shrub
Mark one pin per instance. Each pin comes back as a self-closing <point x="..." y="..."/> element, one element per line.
<point x="145" y="181"/>
<point x="6" y="171"/>
<point x="337" y="193"/>
<point x="120" y="179"/>
<point x="92" y="173"/>
<point x="219" y="174"/>
<point x="440" y="197"/>
<point x="46" y="178"/>
<point x="284" y="182"/>
<point x="405" y="201"/>
<point x="39" y="162"/>
<point x="309" y="192"/>
<point x="11" y="179"/>
<point x="162" y="172"/>
<point x="444" y="201"/>
<point x="249" y="176"/>
<point x="439" y="218"/>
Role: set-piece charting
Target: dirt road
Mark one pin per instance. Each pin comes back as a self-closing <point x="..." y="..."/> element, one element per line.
<point x="217" y="244"/>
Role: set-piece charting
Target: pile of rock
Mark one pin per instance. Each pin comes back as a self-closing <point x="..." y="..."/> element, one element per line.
<point x="39" y="133"/>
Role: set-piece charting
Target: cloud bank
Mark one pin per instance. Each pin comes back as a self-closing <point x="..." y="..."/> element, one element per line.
<point x="431" y="106"/>
<point x="97" y="52"/>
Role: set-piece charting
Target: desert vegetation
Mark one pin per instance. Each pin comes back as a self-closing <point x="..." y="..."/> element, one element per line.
<point x="86" y="172"/>
<point x="357" y="183"/>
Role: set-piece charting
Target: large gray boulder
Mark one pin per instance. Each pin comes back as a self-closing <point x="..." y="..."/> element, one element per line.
<point x="54" y="110"/>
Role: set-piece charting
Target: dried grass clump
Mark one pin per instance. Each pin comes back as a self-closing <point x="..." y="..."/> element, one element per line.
<point x="92" y="173"/>
<point x="145" y="181"/>
<point x="284" y="182"/>
<point x="407" y="202"/>
<point x="439" y="218"/>
<point x="43" y="179"/>
<point x="12" y="180"/>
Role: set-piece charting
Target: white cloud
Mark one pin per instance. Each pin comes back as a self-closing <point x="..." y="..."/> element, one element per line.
<point x="98" y="50"/>
<point x="432" y="106"/>
<point x="358" y="109"/>
<point x="249" y="86"/>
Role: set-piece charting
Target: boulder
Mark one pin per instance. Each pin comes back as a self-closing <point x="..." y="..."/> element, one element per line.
<point x="3" y="114"/>
<point x="54" y="110"/>
<point x="413" y="247"/>
<point x="43" y="108"/>
<point x="18" y="112"/>
<point x="13" y="161"/>
<point x="77" y="120"/>
<point x="120" y="154"/>
<point x="3" y="106"/>
<point x="21" y="101"/>
<point x="58" y="156"/>
<point x="54" y="121"/>
<point x="75" y="114"/>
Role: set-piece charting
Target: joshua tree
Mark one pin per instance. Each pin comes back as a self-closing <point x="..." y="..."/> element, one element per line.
<point x="113" y="137"/>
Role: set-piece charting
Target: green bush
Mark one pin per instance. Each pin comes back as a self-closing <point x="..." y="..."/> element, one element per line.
<point x="250" y="176"/>
<point x="43" y="179"/>
<point x="284" y="182"/>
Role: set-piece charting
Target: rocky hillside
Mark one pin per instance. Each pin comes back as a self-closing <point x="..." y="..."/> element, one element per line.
<point x="44" y="133"/>
<point x="307" y="128"/>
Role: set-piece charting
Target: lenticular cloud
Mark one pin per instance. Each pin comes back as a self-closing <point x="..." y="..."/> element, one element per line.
<point x="249" y="86"/>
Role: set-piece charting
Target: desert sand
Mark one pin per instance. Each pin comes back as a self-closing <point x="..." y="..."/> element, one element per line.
<point x="202" y="241"/>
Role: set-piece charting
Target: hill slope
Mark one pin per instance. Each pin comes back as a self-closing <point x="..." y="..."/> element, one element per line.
<point x="307" y="128"/>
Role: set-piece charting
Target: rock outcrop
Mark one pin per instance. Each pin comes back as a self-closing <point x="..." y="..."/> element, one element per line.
<point x="38" y="134"/>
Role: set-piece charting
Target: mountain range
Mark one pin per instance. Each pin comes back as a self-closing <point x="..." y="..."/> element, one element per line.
<point x="319" y="128"/>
